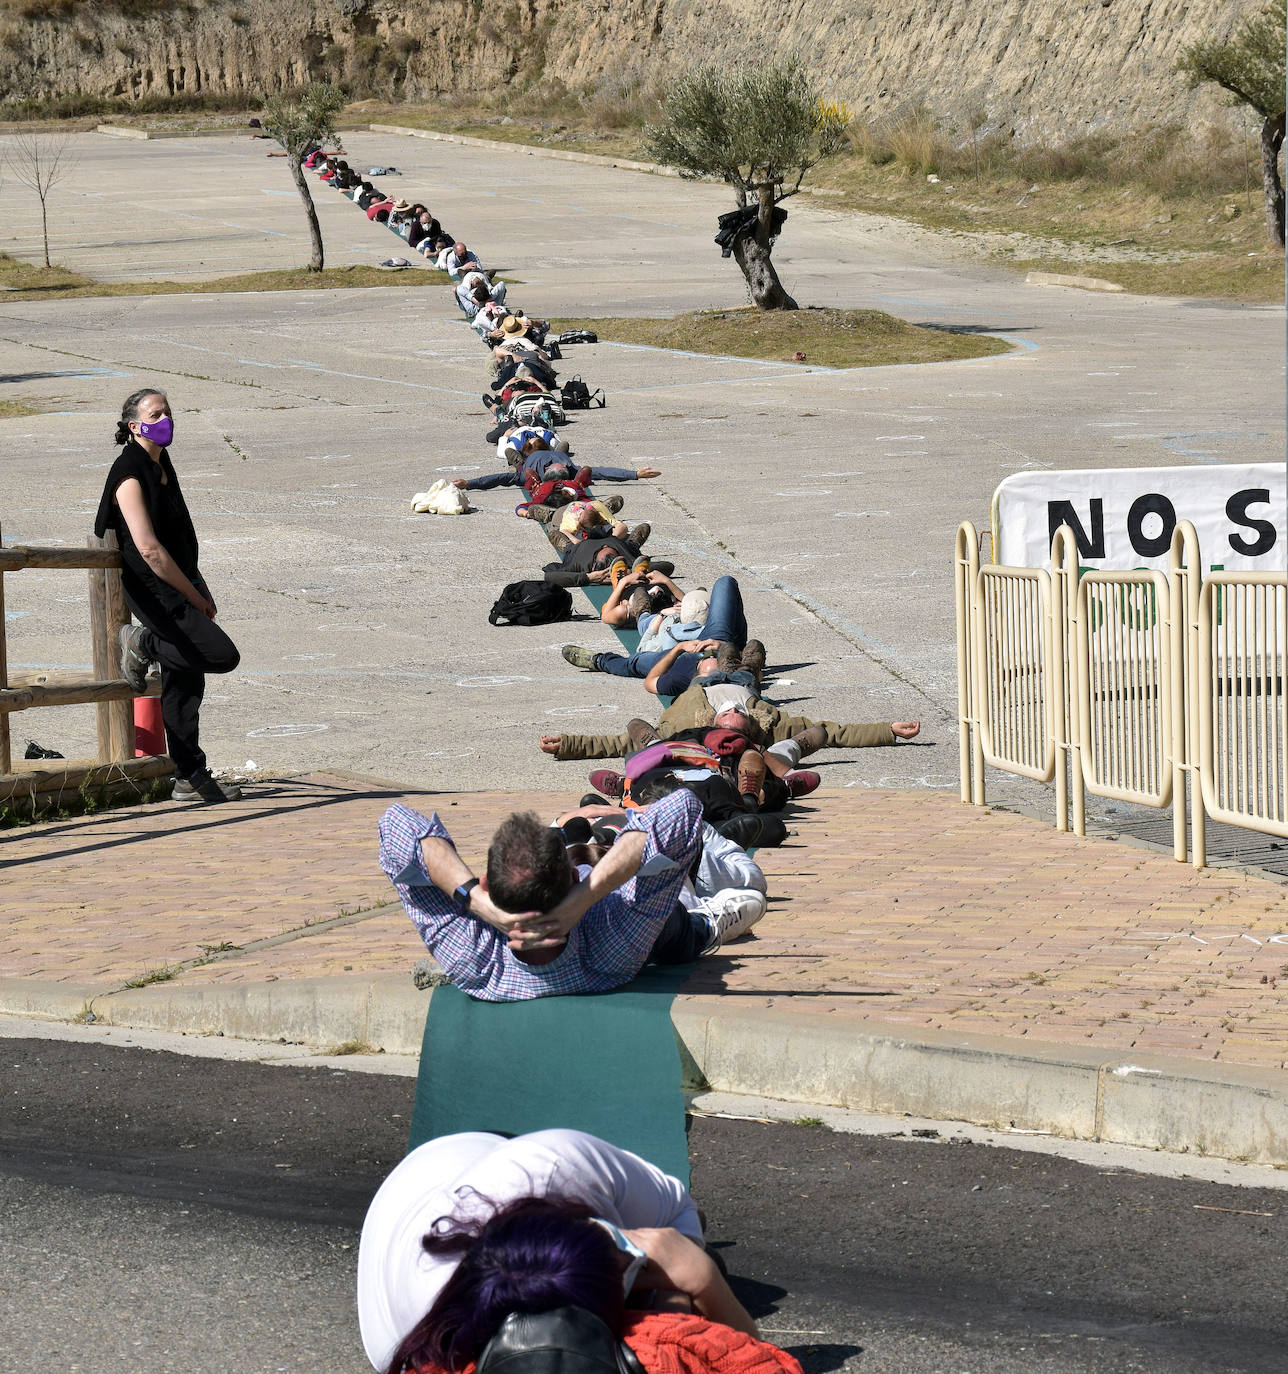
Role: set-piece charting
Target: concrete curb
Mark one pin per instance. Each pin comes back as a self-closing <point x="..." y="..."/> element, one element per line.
<point x="224" y="131"/>
<point x="1150" y="1101"/>
<point x="1063" y="279"/>
<point x="531" y="149"/>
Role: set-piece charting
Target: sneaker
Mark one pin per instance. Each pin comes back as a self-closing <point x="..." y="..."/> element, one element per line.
<point x="134" y="662"/>
<point x="753" y="658"/>
<point x="801" y="784"/>
<point x="639" y="535"/>
<point x="811" y="740"/>
<point x="609" y="783"/>
<point x="617" y="570"/>
<point x="206" y="790"/>
<point x="641" y="734"/>
<point x="580" y="658"/>
<point x="642" y="565"/>
<point x="735" y="916"/>
<point x="613" y="503"/>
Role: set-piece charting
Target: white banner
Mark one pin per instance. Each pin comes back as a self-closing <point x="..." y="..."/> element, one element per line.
<point x="1124" y="517"/>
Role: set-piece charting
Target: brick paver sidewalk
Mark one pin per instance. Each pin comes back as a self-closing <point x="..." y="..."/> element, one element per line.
<point x="902" y="908"/>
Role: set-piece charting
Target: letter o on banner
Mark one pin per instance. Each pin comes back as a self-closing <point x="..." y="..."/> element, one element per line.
<point x="1151" y="545"/>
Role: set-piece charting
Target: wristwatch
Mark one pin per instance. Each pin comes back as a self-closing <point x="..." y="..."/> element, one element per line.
<point x="462" y="894"/>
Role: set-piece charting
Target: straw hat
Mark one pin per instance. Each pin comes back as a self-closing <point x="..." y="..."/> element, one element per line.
<point x="513" y="327"/>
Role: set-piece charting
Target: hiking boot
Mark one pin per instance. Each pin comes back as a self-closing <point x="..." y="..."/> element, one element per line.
<point x="642" y="565"/>
<point x="728" y="659"/>
<point x="753" y="658"/>
<point x="803" y="783"/>
<point x="613" y="503"/>
<point x="736" y="915"/>
<point x="134" y="661"/>
<point x="617" y="570"/>
<point x="810" y="740"/>
<point x="204" y="790"/>
<point x="751" y="774"/>
<point x="639" y="535"/>
<point x="641" y="734"/>
<point x="581" y="658"/>
<point x="609" y="783"/>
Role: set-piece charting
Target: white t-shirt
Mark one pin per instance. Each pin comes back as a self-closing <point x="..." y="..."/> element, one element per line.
<point x="454" y="1175"/>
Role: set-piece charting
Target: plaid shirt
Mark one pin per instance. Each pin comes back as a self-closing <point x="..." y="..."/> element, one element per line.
<point x="606" y="948"/>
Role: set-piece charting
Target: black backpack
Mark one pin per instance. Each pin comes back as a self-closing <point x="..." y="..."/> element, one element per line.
<point x="531" y="603"/>
<point x="576" y="395"/>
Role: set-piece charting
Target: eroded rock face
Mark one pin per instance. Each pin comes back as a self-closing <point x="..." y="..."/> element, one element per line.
<point x="1045" y="69"/>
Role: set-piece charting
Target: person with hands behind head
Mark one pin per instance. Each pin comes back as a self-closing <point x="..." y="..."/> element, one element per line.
<point x="536" y="925"/>
<point x="164" y="588"/>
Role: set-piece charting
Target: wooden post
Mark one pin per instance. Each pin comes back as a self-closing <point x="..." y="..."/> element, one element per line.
<point x="120" y="713"/>
<point x="105" y="665"/>
<point x="6" y="760"/>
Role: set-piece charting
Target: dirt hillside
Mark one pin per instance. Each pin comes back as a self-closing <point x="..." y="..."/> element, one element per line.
<point x="1046" y="69"/>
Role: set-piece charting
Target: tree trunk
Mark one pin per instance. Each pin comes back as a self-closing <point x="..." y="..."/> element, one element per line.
<point x="1272" y="139"/>
<point x="44" y="227"/>
<point x="766" y="290"/>
<point x="315" y="229"/>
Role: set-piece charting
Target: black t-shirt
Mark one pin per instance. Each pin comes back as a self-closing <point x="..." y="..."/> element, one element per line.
<point x="167" y="511"/>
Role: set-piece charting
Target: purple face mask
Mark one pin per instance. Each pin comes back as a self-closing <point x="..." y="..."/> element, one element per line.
<point x="159" y="431"/>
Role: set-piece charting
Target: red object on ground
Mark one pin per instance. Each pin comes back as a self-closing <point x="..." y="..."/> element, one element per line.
<point x="149" y="733"/>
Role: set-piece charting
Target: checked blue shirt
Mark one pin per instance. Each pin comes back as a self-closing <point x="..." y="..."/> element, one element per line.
<point x="606" y="948"/>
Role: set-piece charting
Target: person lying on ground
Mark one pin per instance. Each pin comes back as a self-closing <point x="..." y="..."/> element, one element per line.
<point x="541" y="1285"/>
<point x="736" y="706"/>
<point x="597" y="535"/>
<point x="714" y="616"/>
<point x="535" y="926"/>
<point x="637" y="598"/>
<point x="540" y="461"/>
<point x="727" y="882"/>
<point x="487" y="322"/>
<point x="424" y="228"/>
<point x="512" y="447"/>
<point x="459" y="260"/>
<point x="465" y="292"/>
<point x="471" y="1176"/>
<point x="591" y="563"/>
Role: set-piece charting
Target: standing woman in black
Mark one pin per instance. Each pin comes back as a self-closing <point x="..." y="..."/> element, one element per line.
<point x="164" y="588"/>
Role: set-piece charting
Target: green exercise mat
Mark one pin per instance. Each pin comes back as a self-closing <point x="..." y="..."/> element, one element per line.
<point x="606" y="1063"/>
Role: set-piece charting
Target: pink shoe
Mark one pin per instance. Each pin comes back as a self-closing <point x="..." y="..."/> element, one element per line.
<point x="803" y="783"/>
<point x="609" y="783"/>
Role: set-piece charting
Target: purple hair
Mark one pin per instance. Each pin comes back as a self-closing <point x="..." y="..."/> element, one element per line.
<point x="534" y="1255"/>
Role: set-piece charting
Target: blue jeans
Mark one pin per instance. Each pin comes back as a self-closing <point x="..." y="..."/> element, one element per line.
<point x="725" y="620"/>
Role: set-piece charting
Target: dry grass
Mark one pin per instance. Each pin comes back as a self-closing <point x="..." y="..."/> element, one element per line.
<point x="827" y="338"/>
<point x="15" y="410"/>
<point x="25" y="282"/>
<point x="1247" y="280"/>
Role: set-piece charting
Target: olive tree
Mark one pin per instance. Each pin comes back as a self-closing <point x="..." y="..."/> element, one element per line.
<point x="1250" y="65"/>
<point x="760" y="128"/>
<point x="301" y="125"/>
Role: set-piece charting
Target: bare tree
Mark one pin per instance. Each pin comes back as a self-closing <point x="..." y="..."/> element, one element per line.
<point x="1250" y="65"/>
<point x="41" y="162"/>
<point x="760" y="127"/>
<point x="300" y="126"/>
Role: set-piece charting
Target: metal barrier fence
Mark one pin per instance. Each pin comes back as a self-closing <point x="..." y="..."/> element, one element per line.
<point x="1145" y="687"/>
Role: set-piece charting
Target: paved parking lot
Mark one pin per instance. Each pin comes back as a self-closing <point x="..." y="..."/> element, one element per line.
<point x="307" y="420"/>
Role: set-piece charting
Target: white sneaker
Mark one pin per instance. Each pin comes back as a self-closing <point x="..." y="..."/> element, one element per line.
<point x="735" y="914"/>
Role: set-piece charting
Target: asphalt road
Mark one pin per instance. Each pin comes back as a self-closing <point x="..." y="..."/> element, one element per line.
<point x="160" y="1212"/>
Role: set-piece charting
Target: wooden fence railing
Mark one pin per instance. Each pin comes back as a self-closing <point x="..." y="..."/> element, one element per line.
<point x="106" y="689"/>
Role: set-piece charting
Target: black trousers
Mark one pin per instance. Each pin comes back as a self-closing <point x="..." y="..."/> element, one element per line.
<point x="187" y="645"/>
<point x="681" y="939"/>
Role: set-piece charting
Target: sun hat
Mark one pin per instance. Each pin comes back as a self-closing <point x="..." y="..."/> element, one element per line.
<point x="512" y="326"/>
<point x="695" y="605"/>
